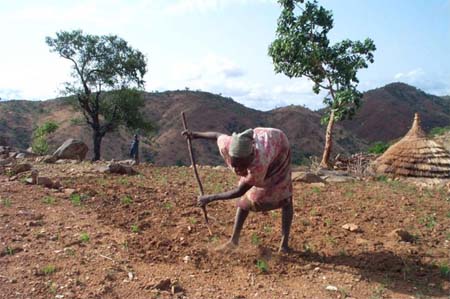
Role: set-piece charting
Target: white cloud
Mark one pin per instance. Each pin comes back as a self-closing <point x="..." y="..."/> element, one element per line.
<point x="290" y="91"/>
<point x="223" y="76"/>
<point x="437" y="83"/>
<point x="210" y="69"/>
<point x="412" y="75"/>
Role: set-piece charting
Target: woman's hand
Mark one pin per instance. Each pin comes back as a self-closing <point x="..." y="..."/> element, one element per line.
<point x="203" y="200"/>
<point x="188" y="134"/>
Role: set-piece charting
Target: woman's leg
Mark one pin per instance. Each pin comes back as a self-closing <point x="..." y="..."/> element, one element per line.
<point x="286" y="220"/>
<point x="241" y="215"/>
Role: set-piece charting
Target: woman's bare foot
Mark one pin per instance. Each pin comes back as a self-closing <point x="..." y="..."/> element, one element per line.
<point x="284" y="249"/>
<point x="227" y="247"/>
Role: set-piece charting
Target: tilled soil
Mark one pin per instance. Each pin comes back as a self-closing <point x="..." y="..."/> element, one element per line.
<point x="143" y="237"/>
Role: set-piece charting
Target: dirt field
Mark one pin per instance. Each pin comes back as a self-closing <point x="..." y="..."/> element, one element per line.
<point x="143" y="237"/>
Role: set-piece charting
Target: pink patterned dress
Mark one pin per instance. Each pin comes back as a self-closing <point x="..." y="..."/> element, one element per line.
<point x="269" y="173"/>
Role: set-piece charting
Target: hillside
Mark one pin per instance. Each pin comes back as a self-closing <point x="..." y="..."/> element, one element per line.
<point x="387" y="112"/>
<point x="204" y="111"/>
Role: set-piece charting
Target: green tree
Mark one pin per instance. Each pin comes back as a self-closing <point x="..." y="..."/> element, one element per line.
<point x="302" y="49"/>
<point x="39" y="144"/>
<point x="378" y="147"/>
<point x="107" y="78"/>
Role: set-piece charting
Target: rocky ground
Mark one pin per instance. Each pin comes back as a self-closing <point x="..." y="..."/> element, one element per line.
<point x="141" y="236"/>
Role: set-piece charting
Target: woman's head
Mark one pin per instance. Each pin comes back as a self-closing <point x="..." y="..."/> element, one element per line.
<point x="241" y="151"/>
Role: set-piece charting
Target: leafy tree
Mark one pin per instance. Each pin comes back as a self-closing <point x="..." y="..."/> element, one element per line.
<point x="302" y="48"/>
<point x="107" y="78"/>
<point x="378" y="147"/>
<point x="39" y="144"/>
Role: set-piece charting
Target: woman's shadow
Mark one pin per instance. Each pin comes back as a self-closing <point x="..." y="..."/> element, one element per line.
<point x="402" y="274"/>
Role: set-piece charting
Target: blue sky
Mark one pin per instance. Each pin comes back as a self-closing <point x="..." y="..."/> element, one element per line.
<point x="221" y="45"/>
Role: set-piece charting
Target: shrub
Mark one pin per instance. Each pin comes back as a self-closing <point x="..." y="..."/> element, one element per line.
<point x="378" y="147"/>
<point x="49" y="269"/>
<point x="436" y="131"/>
<point x="134" y="228"/>
<point x="126" y="200"/>
<point x="40" y="146"/>
<point x="39" y="143"/>
<point x="84" y="237"/>
<point x="262" y="266"/>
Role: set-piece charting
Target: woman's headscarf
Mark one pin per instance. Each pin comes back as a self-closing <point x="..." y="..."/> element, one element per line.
<point x="241" y="144"/>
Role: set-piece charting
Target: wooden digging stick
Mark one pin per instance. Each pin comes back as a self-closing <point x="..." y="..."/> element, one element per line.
<point x="200" y="186"/>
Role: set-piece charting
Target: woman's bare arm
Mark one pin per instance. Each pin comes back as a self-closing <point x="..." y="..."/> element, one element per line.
<point x="201" y="135"/>
<point x="238" y="192"/>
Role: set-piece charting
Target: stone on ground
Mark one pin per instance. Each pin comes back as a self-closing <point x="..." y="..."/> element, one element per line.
<point x="72" y="149"/>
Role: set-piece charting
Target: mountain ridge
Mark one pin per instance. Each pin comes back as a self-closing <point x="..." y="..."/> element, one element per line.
<point x="211" y="112"/>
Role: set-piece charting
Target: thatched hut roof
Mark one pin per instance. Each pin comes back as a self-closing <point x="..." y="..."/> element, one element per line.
<point x="415" y="156"/>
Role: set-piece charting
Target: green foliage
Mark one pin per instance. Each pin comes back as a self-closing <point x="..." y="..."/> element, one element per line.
<point x="437" y="131"/>
<point x="302" y="49"/>
<point x="49" y="269"/>
<point x="444" y="269"/>
<point x="9" y="250"/>
<point x="76" y="121"/>
<point x="107" y="78"/>
<point x="267" y="228"/>
<point x="126" y="200"/>
<point x="49" y="200"/>
<point x="40" y="146"/>
<point x="214" y="239"/>
<point x="316" y="190"/>
<point x="135" y="228"/>
<point x="255" y="239"/>
<point x="382" y="178"/>
<point x="77" y="199"/>
<point x="274" y="214"/>
<point x="6" y="202"/>
<point x="378" y="147"/>
<point x="379" y="292"/>
<point x="262" y="266"/>
<point x="308" y="248"/>
<point x="47" y="128"/>
<point x="39" y="143"/>
<point x="429" y="221"/>
<point x="124" y="181"/>
<point x="122" y="107"/>
<point x="168" y="205"/>
<point x="52" y="287"/>
<point x="84" y="237"/>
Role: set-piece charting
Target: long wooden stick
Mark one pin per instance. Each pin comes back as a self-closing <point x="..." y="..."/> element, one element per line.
<point x="194" y="166"/>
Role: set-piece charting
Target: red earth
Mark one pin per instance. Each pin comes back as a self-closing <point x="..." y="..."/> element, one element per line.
<point x="142" y="236"/>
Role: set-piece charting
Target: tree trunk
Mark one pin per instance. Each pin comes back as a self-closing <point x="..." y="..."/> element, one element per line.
<point x="97" y="138"/>
<point x="325" y="163"/>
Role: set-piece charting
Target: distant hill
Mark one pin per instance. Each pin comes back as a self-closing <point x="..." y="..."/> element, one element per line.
<point x="387" y="112"/>
<point x="204" y="111"/>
